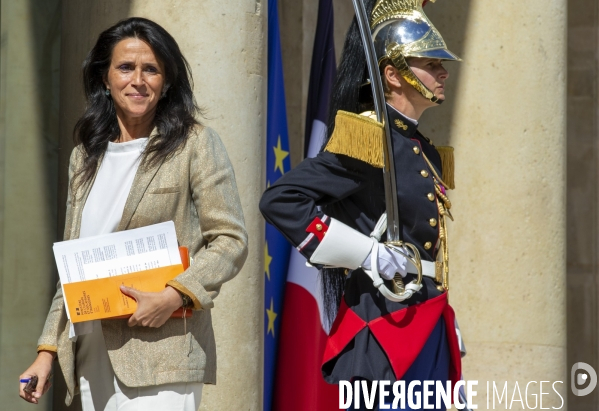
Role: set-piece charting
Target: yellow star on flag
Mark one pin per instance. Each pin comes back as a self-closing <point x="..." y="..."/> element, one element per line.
<point x="267" y="260"/>
<point x="271" y="318"/>
<point x="280" y="155"/>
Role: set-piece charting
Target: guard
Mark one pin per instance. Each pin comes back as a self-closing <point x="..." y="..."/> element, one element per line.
<point x="370" y="210"/>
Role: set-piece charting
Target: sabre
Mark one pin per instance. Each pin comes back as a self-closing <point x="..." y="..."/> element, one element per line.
<point x="380" y="107"/>
<point x="392" y="214"/>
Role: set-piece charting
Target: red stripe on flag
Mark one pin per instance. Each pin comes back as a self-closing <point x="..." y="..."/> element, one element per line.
<point x="299" y="385"/>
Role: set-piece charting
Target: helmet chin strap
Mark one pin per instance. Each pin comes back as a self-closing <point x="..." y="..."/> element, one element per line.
<point x="400" y="63"/>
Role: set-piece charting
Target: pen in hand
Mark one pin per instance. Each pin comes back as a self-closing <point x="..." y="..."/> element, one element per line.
<point x="31" y="384"/>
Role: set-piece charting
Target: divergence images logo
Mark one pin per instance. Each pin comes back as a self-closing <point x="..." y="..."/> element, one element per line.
<point x="579" y="379"/>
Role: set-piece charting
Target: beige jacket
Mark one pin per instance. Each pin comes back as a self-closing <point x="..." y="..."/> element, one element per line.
<point x="196" y="189"/>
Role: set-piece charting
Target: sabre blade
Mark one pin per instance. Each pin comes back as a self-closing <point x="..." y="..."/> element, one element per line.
<point x="380" y="107"/>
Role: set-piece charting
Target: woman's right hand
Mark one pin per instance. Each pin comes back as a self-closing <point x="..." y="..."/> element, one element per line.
<point x="41" y="367"/>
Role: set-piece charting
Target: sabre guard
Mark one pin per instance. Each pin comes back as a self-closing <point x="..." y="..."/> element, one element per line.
<point x="370" y="210"/>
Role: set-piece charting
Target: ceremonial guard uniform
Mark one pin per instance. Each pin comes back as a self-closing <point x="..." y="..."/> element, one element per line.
<point x="328" y="207"/>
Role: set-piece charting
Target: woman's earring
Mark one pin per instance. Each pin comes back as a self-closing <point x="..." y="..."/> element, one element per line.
<point x="163" y="95"/>
<point x="107" y="92"/>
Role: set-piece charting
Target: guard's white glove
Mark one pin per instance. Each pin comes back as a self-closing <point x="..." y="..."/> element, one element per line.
<point x="388" y="263"/>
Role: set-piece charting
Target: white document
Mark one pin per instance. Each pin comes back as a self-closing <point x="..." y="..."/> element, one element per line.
<point x="123" y="252"/>
<point x="119" y="253"/>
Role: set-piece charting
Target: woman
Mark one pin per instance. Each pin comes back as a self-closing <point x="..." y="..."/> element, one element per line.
<point x="143" y="158"/>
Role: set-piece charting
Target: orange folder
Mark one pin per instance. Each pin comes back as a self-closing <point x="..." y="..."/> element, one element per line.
<point x="102" y="298"/>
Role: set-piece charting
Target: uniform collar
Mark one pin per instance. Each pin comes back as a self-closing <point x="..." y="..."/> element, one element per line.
<point x="406" y="126"/>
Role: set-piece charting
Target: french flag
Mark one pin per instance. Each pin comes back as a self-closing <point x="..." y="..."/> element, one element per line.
<point x="299" y="385"/>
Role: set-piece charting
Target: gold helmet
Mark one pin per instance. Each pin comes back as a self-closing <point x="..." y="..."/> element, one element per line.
<point x="400" y="29"/>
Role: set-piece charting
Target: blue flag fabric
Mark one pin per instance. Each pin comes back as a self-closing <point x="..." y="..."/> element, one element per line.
<point x="276" y="247"/>
<point x="299" y="383"/>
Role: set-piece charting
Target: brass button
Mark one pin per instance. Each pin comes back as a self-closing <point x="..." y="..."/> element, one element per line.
<point x="424" y="173"/>
<point x="433" y="222"/>
<point x="428" y="245"/>
<point x="431" y="196"/>
<point x="319" y="227"/>
<point x="416" y="150"/>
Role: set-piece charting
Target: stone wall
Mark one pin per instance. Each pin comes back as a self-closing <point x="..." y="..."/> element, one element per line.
<point x="29" y="89"/>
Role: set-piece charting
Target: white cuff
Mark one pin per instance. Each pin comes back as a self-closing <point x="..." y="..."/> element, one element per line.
<point x="342" y="246"/>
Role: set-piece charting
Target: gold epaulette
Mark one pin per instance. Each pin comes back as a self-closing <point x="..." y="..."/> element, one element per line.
<point x="358" y="136"/>
<point x="448" y="165"/>
<point x="361" y="137"/>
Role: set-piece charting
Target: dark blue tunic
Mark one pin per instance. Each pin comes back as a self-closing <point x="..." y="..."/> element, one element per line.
<point x="352" y="192"/>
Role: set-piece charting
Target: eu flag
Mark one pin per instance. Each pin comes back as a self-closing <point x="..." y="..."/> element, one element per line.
<point x="276" y="247"/>
<point x="304" y="329"/>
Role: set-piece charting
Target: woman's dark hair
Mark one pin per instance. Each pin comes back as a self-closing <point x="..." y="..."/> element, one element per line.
<point x="175" y="111"/>
<point x="348" y="94"/>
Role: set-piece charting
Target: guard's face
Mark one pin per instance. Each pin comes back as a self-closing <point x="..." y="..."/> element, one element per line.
<point x="135" y="80"/>
<point x="432" y="74"/>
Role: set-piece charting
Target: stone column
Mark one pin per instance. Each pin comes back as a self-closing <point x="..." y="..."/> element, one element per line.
<point x="225" y="44"/>
<point x="583" y="193"/>
<point x="28" y="162"/>
<point x="506" y="118"/>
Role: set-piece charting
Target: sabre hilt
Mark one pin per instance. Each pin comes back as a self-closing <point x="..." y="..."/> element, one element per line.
<point x="411" y="253"/>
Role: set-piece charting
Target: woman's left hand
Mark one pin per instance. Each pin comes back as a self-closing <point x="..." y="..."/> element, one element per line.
<point x="153" y="309"/>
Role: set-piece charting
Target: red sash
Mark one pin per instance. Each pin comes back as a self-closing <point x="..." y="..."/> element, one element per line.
<point x="401" y="334"/>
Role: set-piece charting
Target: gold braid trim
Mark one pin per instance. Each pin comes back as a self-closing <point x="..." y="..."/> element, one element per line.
<point x="443" y="197"/>
<point x="448" y="165"/>
<point x="358" y="136"/>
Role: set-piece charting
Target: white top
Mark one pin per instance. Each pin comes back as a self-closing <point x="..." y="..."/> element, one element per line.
<point x="106" y="201"/>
